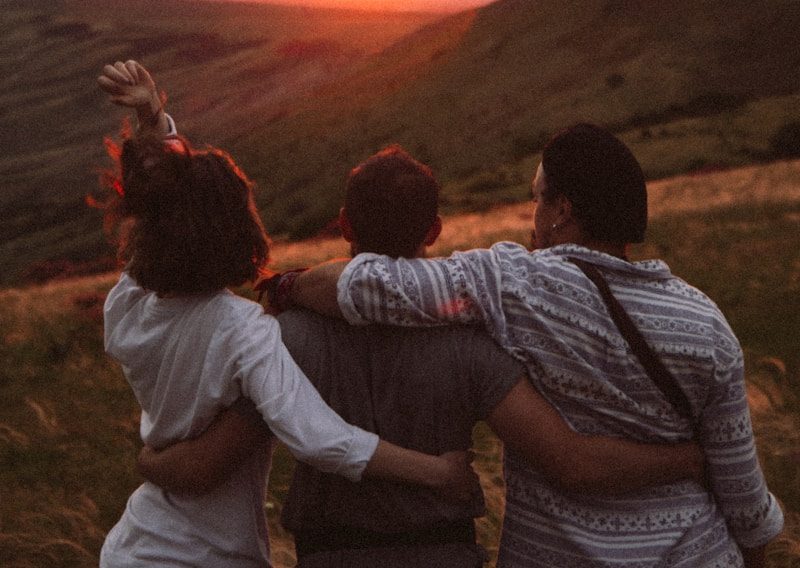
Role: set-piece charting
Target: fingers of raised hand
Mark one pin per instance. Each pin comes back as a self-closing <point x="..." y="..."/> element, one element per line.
<point x="128" y="73"/>
<point x="124" y="73"/>
<point x="119" y="93"/>
<point x="114" y="81"/>
<point x="128" y="83"/>
<point x="143" y="75"/>
<point x="138" y="73"/>
<point x="109" y="85"/>
<point x="132" y="69"/>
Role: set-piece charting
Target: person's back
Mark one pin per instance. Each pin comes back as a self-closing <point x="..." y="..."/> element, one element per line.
<point x="187" y="346"/>
<point x="188" y="230"/>
<point x="601" y="389"/>
<point x="157" y="340"/>
<point x="416" y="388"/>
<point x="423" y="389"/>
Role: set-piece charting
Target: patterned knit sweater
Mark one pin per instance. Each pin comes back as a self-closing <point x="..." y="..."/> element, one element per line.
<point x="547" y="314"/>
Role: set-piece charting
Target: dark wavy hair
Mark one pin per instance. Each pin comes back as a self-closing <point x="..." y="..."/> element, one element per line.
<point x="391" y="202"/>
<point x="184" y="219"/>
<point x="601" y="178"/>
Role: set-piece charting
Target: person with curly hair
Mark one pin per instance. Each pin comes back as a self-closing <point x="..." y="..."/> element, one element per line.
<point x="188" y="232"/>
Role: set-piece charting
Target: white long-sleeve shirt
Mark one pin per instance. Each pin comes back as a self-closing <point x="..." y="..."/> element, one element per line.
<point x="186" y="359"/>
<point x="546" y="313"/>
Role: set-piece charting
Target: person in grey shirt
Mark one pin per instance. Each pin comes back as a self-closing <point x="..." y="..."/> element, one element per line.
<point x="423" y="389"/>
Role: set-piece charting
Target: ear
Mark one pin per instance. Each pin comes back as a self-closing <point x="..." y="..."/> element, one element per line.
<point x="434" y="232"/>
<point x="564" y="208"/>
<point x="345" y="226"/>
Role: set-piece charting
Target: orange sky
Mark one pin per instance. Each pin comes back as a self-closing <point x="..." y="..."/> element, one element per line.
<point x="399" y="5"/>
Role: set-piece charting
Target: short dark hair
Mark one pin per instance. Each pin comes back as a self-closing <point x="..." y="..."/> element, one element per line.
<point x="601" y="178"/>
<point x="188" y="220"/>
<point x="391" y="201"/>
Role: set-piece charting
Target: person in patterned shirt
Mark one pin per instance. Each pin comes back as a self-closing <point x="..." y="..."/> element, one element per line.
<point x="591" y="203"/>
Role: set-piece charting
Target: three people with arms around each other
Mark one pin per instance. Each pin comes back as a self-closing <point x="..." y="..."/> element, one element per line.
<point x="425" y="389"/>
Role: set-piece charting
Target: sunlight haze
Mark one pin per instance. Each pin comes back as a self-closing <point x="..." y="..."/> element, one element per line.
<point x="385" y="5"/>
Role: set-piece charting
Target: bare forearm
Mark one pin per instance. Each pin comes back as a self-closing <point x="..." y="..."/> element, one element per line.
<point x="151" y="118"/>
<point x="449" y="474"/>
<point x="529" y="425"/>
<point x="183" y="473"/>
<point x="197" y="466"/>
<point x="612" y="466"/>
<point x="315" y="288"/>
<point x="399" y="464"/>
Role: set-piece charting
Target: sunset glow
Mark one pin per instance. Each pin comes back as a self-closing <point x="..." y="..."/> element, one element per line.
<point x="388" y="5"/>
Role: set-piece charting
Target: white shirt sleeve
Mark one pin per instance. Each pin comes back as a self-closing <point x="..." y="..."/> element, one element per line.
<point x="294" y="410"/>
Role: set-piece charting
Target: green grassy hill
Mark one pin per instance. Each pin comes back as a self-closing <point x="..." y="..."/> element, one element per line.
<point x="300" y="95"/>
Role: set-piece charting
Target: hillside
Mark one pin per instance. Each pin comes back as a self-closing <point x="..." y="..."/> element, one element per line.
<point x="301" y="95"/>
<point x="54" y="117"/>
<point x="688" y="85"/>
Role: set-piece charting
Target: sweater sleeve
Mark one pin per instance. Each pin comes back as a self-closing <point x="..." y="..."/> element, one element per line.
<point x="293" y="408"/>
<point x="751" y="511"/>
<point x="463" y="288"/>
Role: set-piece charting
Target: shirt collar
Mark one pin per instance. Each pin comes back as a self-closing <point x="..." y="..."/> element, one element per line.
<point x="650" y="269"/>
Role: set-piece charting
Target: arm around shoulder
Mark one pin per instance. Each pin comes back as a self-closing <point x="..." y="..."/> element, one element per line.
<point x="316" y="288"/>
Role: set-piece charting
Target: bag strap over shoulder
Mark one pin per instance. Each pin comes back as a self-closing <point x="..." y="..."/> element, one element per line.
<point x="655" y="368"/>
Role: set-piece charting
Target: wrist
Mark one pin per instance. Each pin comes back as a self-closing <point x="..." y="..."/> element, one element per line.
<point x="150" y="113"/>
<point x="278" y="289"/>
<point x="437" y="474"/>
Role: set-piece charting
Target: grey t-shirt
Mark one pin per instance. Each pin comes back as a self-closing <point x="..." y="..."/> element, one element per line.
<point x="422" y="389"/>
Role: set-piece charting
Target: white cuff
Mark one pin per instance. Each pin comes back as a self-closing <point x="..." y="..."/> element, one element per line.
<point x="358" y="454"/>
<point x="173" y="130"/>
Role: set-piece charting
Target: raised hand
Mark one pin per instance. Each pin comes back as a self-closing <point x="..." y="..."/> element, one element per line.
<point x="130" y="85"/>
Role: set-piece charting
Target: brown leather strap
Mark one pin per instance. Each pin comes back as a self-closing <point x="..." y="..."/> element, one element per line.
<point x="656" y="370"/>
